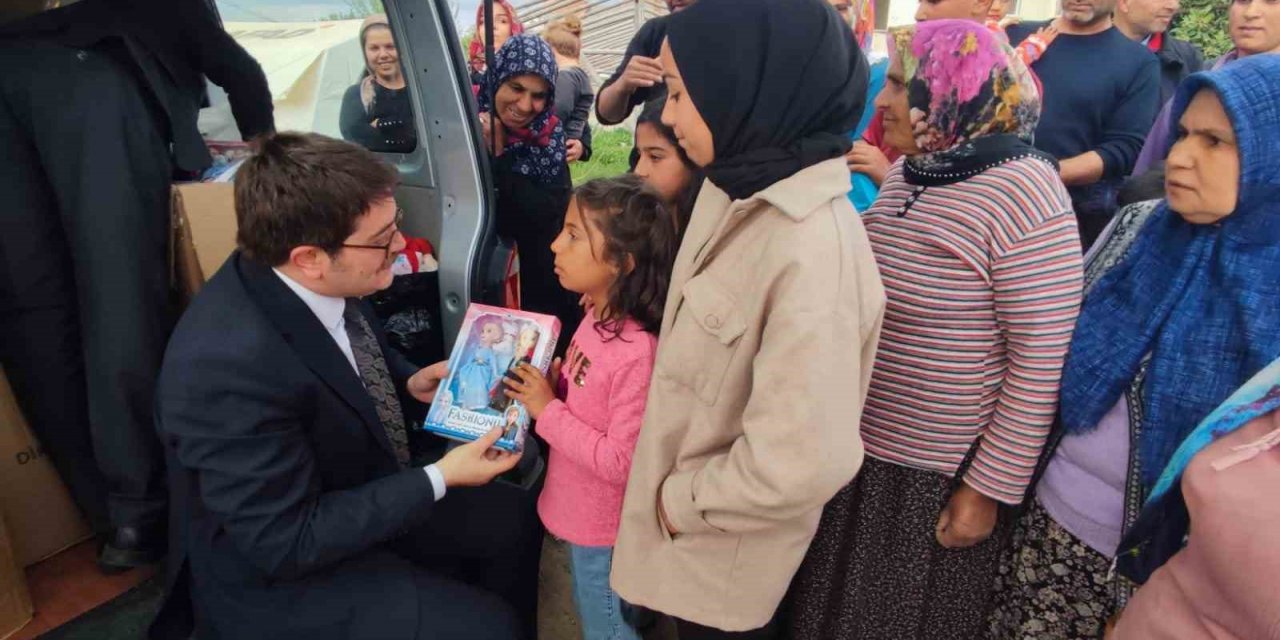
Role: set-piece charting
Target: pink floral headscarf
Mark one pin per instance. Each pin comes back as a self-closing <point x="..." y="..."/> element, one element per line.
<point x="963" y="83"/>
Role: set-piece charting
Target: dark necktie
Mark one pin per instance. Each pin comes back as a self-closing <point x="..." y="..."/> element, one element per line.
<point x="377" y="379"/>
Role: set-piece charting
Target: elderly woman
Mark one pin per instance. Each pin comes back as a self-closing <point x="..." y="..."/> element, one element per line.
<point x="517" y="104"/>
<point x="376" y="112"/>
<point x="1181" y="309"/>
<point x="977" y="245"/>
<point x="771" y="324"/>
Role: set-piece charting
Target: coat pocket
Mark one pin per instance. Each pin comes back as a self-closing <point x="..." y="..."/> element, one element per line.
<point x="704" y="337"/>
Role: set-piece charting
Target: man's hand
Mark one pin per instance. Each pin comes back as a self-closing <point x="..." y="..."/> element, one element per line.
<point x="476" y="463"/>
<point x="641" y="72"/>
<point x="424" y="384"/>
<point x="968" y="518"/>
<point x="662" y="517"/>
<point x="532" y="388"/>
<point x="868" y="160"/>
<point x="573" y="150"/>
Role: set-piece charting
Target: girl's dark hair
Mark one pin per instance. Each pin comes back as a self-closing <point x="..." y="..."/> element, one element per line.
<point x="652" y="115"/>
<point x="637" y="228"/>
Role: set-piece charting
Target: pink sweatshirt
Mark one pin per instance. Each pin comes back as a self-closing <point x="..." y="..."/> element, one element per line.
<point x="1225" y="584"/>
<point x="592" y="432"/>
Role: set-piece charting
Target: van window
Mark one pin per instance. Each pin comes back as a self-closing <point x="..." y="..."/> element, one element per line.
<point x="331" y="67"/>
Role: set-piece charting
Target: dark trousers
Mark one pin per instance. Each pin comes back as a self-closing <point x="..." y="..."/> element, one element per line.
<point x="686" y="630"/>
<point x="488" y="537"/>
<point x="84" y="302"/>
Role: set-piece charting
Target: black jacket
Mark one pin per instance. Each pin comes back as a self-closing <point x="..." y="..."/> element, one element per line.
<point x="285" y="492"/>
<point x="1178" y="59"/>
<point x="174" y="45"/>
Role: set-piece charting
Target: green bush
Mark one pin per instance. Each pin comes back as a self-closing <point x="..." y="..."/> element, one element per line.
<point x="610" y="156"/>
<point x="1204" y="22"/>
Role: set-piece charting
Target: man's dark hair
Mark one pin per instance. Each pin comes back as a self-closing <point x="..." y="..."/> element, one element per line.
<point x="302" y="189"/>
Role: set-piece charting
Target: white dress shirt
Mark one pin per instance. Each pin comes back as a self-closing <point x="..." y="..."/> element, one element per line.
<point x="329" y="310"/>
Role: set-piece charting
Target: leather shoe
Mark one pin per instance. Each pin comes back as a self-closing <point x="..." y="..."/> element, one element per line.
<point x="131" y="547"/>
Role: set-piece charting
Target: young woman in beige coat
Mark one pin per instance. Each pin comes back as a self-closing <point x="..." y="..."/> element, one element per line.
<point x="770" y="326"/>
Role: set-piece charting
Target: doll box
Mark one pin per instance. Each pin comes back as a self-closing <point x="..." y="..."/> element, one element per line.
<point x="471" y="400"/>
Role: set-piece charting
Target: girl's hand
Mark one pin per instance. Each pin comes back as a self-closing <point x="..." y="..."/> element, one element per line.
<point x="532" y="389"/>
<point x="968" y="519"/>
<point x="868" y="160"/>
<point x="1047" y="34"/>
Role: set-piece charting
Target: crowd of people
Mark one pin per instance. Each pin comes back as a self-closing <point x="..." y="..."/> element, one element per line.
<point x="981" y="340"/>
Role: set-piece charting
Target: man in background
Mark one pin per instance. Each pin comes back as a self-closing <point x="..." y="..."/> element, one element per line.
<point x="98" y="106"/>
<point x="1147" y="22"/>
<point x="1101" y="92"/>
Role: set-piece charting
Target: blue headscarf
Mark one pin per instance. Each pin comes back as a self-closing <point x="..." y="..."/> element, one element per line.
<point x="1161" y="529"/>
<point x="539" y="150"/>
<point x="1202" y="300"/>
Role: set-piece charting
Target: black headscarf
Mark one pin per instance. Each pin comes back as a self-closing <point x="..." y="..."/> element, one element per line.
<point x="781" y="85"/>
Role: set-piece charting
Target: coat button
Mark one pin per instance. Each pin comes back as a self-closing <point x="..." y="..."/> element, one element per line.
<point x="713" y="321"/>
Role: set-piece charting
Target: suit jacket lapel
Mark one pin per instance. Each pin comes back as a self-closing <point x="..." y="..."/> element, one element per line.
<point x="311" y="341"/>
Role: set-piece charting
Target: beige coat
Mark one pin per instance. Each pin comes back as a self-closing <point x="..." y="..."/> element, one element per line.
<point x="751" y="426"/>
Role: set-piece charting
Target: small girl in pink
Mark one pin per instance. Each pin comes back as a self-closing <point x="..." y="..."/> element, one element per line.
<point x="617" y="248"/>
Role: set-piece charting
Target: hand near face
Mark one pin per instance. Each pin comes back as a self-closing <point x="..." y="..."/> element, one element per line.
<point x="499" y="142"/>
<point x="641" y="73"/>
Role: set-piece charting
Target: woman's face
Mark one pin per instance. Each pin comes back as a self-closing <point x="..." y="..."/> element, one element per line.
<point x="1255" y="26"/>
<point x="1202" y="175"/>
<point x="682" y="115"/>
<point x="521" y="99"/>
<point x="380" y="53"/>
<point x="892" y="103"/>
<point x="660" y="164"/>
<point x="501" y="27"/>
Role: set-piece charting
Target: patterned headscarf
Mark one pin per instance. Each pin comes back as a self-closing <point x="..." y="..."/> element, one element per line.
<point x="475" y="53"/>
<point x="539" y="150"/>
<point x="973" y="103"/>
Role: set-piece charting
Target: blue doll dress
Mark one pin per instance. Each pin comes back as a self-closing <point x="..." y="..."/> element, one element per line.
<point x="476" y="377"/>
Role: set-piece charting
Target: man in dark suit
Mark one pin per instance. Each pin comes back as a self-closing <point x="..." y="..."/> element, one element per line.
<point x="296" y="509"/>
<point x="98" y="106"/>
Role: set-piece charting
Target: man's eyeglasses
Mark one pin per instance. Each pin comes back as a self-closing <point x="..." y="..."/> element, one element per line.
<point x="385" y="248"/>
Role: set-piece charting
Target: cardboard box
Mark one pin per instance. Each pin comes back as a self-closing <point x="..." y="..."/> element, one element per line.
<point x="204" y="233"/>
<point x="15" y="600"/>
<point x="42" y="518"/>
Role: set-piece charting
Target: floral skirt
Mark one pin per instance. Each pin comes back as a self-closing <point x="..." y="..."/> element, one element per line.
<point x="1051" y="586"/>
<point x="875" y="570"/>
